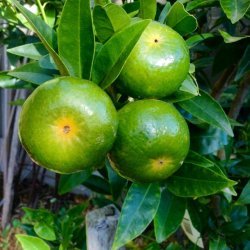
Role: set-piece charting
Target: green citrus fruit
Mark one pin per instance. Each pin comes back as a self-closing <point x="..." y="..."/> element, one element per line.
<point x="68" y="124"/>
<point x="157" y="65"/>
<point x="152" y="141"/>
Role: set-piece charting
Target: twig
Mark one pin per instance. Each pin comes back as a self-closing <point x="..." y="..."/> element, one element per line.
<point x="223" y="82"/>
<point x="240" y="97"/>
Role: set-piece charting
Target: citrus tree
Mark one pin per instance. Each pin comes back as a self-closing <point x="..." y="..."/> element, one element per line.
<point x="139" y="103"/>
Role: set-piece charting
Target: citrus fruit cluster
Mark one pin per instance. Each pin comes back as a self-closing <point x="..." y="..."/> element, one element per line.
<point x="69" y="124"/>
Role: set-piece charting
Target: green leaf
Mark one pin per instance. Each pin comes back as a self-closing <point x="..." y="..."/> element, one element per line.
<point x="30" y="242"/>
<point x="209" y="140"/>
<point x="218" y="244"/>
<point x="147" y="9"/>
<point x="138" y="210"/>
<point x="116" y="182"/>
<point x="32" y="50"/>
<point x="46" y="62"/>
<point x="169" y="215"/>
<point x="208" y="110"/>
<point x="76" y="41"/>
<point x="193" y="180"/>
<point x="197" y="159"/>
<point x="32" y="72"/>
<point x="244" y="65"/>
<point x="70" y="181"/>
<point x="164" y="12"/>
<point x="200" y="4"/>
<point x="180" y="20"/>
<point x="112" y="56"/>
<point x="98" y="184"/>
<point x="45" y="231"/>
<point x="231" y="39"/>
<point x="235" y="9"/>
<point x="187" y="90"/>
<point x="245" y="195"/>
<point x="7" y="81"/>
<point x="198" y="38"/>
<point x="241" y="168"/>
<point x="108" y="20"/>
<point x="46" y="34"/>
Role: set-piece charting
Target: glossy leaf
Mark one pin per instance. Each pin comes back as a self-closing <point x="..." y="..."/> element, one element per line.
<point x="109" y="19"/>
<point x="164" y="12"/>
<point x="116" y="182"/>
<point x="32" y="72"/>
<point x="207" y="141"/>
<point x="200" y="4"/>
<point x="245" y="195"/>
<point x="30" y="242"/>
<point x="208" y="110"/>
<point x="193" y="180"/>
<point x="138" y="210"/>
<point x="70" y="181"/>
<point x="46" y="34"/>
<point x="32" y="50"/>
<point x="169" y="215"/>
<point x="231" y="39"/>
<point x="235" y="10"/>
<point x="195" y="158"/>
<point x="197" y="38"/>
<point x="46" y="62"/>
<point x="147" y="9"/>
<point x="180" y="20"/>
<point x="244" y="65"/>
<point x="7" y="81"/>
<point x="97" y="184"/>
<point x="109" y="61"/>
<point x="187" y="90"/>
<point x="76" y="42"/>
<point x="218" y="244"/>
<point x="45" y="231"/>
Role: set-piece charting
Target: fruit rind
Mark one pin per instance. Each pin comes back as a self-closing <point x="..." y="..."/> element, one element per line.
<point x="68" y="125"/>
<point x="152" y="141"/>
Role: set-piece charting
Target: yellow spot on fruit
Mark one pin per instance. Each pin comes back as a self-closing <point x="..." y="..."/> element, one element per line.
<point x="160" y="163"/>
<point x="65" y="128"/>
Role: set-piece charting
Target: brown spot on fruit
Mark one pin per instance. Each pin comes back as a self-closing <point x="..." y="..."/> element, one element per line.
<point x="66" y="129"/>
<point x="156" y="41"/>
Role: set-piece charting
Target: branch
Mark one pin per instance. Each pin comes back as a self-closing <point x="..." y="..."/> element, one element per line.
<point x="240" y="97"/>
<point x="223" y="82"/>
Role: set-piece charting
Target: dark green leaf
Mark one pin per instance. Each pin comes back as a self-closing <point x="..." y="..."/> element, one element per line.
<point x="194" y="180"/>
<point x="218" y="244"/>
<point x="245" y="195"/>
<point x="174" y="246"/>
<point x="76" y="42"/>
<point x="197" y="159"/>
<point x="197" y="38"/>
<point x="97" y="184"/>
<point x="169" y="215"/>
<point x="47" y="62"/>
<point x="46" y="34"/>
<point x="109" y="19"/>
<point x="30" y="242"/>
<point x="244" y="65"/>
<point x="164" y="12"/>
<point x="187" y="90"/>
<point x="116" y="182"/>
<point x="70" y="181"/>
<point x="180" y="20"/>
<point x="207" y="141"/>
<point x="208" y="110"/>
<point x="241" y="168"/>
<point x="32" y="50"/>
<point x="147" y="9"/>
<point x="113" y="55"/>
<point x="231" y="39"/>
<point x="7" y="81"/>
<point x="200" y="4"/>
<point x="32" y="72"/>
<point x="139" y="209"/>
<point x="44" y="231"/>
<point x="235" y="10"/>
